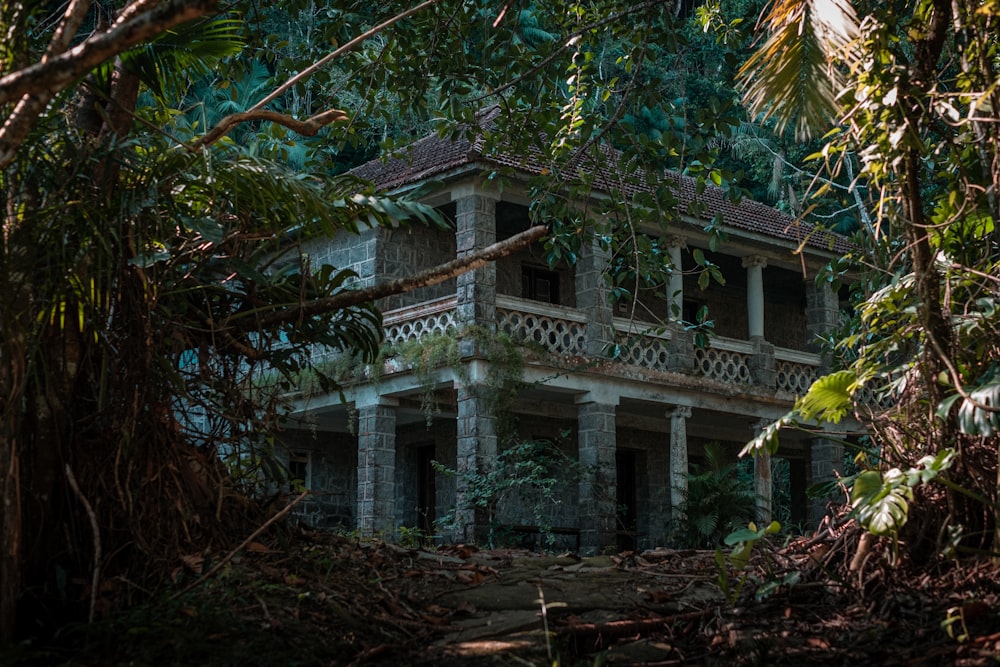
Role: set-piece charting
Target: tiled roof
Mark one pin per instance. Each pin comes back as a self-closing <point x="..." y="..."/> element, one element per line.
<point x="435" y="156"/>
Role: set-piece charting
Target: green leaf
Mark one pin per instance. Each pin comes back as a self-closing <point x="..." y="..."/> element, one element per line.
<point x="887" y="512"/>
<point x="829" y="398"/>
<point x="866" y="486"/>
<point x="975" y="420"/>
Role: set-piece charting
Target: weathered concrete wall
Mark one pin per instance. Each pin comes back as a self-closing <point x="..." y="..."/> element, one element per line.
<point x="509" y="277"/>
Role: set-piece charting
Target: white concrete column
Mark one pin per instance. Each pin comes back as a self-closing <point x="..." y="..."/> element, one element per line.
<point x="675" y="289"/>
<point x="754" y="264"/>
<point x="678" y="459"/>
<point x="763" y="485"/>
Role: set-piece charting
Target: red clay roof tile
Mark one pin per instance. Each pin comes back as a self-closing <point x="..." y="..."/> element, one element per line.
<point x="434" y="156"/>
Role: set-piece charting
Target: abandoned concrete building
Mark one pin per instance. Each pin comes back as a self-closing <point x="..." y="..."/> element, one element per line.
<point x="379" y="462"/>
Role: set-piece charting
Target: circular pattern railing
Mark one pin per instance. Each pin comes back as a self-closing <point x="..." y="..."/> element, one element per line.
<point x="723" y="365"/>
<point x="402" y="331"/>
<point x="794" y="377"/>
<point x="554" y="334"/>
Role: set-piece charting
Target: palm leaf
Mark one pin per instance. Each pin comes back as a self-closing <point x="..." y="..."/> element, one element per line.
<point x="192" y="49"/>
<point x="792" y="77"/>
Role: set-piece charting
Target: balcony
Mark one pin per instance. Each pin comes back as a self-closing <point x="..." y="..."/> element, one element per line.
<point x="562" y="332"/>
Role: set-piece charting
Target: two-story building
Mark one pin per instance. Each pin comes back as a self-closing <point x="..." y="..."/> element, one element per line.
<point x="634" y="421"/>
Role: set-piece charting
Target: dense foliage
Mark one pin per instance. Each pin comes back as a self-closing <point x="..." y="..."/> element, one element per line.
<point x="161" y="164"/>
<point x="907" y="97"/>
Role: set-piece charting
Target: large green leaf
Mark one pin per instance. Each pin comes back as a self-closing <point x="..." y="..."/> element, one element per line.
<point x="829" y="398"/>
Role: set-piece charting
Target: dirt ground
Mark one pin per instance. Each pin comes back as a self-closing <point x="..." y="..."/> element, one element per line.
<point x="321" y="599"/>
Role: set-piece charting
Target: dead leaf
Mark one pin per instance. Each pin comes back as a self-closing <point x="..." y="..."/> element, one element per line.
<point x="194" y="562"/>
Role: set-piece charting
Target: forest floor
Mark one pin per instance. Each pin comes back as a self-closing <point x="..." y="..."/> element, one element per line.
<point x="323" y="599"/>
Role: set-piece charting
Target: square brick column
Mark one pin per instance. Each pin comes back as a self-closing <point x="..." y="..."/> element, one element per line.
<point x="822" y="316"/>
<point x="678" y="460"/>
<point x="477" y="453"/>
<point x="377" y="468"/>
<point x="476" y="228"/>
<point x="592" y="294"/>
<point x="827" y="459"/>
<point x="598" y="511"/>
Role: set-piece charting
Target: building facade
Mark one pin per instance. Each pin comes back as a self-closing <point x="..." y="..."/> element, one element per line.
<point x="620" y="388"/>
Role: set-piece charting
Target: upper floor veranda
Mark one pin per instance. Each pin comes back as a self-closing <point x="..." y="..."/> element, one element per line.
<point x="767" y="319"/>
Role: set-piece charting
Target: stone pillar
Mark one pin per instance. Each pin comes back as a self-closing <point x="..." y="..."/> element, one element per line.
<point x="763" y="365"/>
<point x="762" y="483"/>
<point x="475" y="228"/>
<point x="377" y="467"/>
<point x="822" y="315"/>
<point x="476" y="455"/>
<point x="827" y="459"/>
<point x="675" y="288"/>
<point x="678" y="460"/>
<point x="754" y="264"/>
<point x="681" y="346"/>
<point x="598" y="499"/>
<point x="592" y="296"/>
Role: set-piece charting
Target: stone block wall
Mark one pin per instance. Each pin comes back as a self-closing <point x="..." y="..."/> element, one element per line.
<point x="356" y="252"/>
<point x="406" y="251"/>
<point x="332" y="477"/>
<point x="519" y="509"/>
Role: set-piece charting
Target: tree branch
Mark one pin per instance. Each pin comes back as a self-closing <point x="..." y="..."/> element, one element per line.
<point x="36" y="85"/>
<point x="308" y="127"/>
<point x="54" y="74"/>
<point x="307" y="72"/>
<point x="433" y="276"/>
<point x="68" y="27"/>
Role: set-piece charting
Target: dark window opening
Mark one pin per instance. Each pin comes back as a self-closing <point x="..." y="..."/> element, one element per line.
<point x="627" y="496"/>
<point x="426" y="489"/>
<point x="539" y="284"/>
<point x="689" y="311"/>
<point x="298" y="470"/>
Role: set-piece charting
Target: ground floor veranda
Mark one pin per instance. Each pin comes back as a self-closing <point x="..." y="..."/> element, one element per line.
<point x="388" y="461"/>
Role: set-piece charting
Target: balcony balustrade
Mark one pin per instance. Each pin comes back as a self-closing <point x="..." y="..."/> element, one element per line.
<point x="561" y="331"/>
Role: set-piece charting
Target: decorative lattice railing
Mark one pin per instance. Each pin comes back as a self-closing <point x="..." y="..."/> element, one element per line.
<point x="647" y="347"/>
<point x="726" y="360"/>
<point x="425" y="319"/>
<point x="795" y="371"/>
<point x="559" y="330"/>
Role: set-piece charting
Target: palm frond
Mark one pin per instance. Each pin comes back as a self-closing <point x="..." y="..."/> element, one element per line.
<point x="793" y="76"/>
<point x="192" y="50"/>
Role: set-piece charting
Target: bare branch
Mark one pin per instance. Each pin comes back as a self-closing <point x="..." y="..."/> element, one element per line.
<point x="68" y="27"/>
<point x="52" y="75"/>
<point x="307" y="72"/>
<point x="308" y="127"/>
<point x="433" y="276"/>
